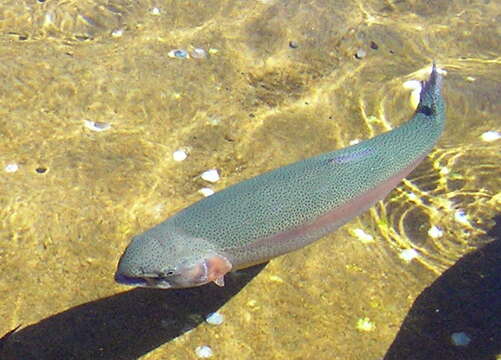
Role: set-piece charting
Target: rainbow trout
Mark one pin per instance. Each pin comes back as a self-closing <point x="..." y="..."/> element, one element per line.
<point x="281" y="210"/>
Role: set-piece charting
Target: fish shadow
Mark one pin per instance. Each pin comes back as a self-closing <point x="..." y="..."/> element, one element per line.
<point x="464" y="299"/>
<point x="123" y="326"/>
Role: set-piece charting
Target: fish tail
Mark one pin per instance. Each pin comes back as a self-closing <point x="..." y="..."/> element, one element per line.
<point x="431" y="103"/>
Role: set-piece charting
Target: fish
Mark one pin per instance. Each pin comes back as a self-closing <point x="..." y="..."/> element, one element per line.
<point x="284" y="209"/>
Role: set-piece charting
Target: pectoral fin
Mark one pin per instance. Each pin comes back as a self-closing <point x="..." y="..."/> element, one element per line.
<point x="217" y="267"/>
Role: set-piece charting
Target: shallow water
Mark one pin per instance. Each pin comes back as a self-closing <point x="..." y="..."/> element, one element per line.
<point x="72" y="196"/>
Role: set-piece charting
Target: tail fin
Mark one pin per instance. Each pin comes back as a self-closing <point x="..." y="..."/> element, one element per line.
<point x="434" y="82"/>
<point x="431" y="101"/>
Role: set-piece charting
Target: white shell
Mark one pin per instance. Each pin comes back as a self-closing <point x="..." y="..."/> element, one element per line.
<point x="204" y="352"/>
<point x="206" y="191"/>
<point x="12" y="167"/>
<point x="97" y="125"/>
<point x="215" y="318"/>
<point x="211" y="175"/>
<point x="435" y="232"/>
<point x="179" y="155"/>
<point x="490" y="136"/>
<point x="363" y="236"/>
<point x="408" y="254"/>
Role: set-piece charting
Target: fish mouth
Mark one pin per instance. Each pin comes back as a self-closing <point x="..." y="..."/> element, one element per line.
<point x="128" y="280"/>
<point x="142" y="281"/>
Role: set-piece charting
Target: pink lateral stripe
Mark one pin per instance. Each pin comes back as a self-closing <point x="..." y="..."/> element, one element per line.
<point x="339" y="215"/>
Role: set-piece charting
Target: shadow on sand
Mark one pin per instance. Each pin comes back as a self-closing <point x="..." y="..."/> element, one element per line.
<point x="464" y="299"/>
<point x="124" y="326"/>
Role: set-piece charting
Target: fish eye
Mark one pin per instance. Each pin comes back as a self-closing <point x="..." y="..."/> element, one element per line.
<point x="167" y="272"/>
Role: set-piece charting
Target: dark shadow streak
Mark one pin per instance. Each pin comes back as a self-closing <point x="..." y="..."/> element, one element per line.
<point x="124" y="326"/>
<point x="465" y="298"/>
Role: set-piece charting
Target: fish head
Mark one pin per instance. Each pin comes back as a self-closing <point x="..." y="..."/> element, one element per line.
<point x="170" y="261"/>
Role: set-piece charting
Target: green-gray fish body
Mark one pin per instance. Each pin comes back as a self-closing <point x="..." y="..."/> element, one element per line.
<point x="281" y="210"/>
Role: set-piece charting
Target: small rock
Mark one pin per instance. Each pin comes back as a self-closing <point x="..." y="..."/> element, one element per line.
<point x="360" y="54"/>
<point x="97" y="125"/>
<point x="408" y="255"/>
<point x="204" y="352"/>
<point x="412" y="196"/>
<point x="117" y="33"/>
<point x="435" y="232"/>
<point x="461" y="217"/>
<point x="489" y="136"/>
<point x="215" y="318"/>
<point x="460" y="339"/>
<point x="11" y="168"/>
<point x="198" y="53"/>
<point x="365" y="324"/>
<point x="206" y="191"/>
<point x="179" y="155"/>
<point x="363" y="236"/>
<point x="211" y="175"/>
<point x="178" y="53"/>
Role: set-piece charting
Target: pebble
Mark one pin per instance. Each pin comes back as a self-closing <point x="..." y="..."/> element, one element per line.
<point x="360" y="54"/>
<point x="117" y="33"/>
<point x="178" y="53"/>
<point x="204" y="352"/>
<point x="211" y="175"/>
<point x="97" y="125"/>
<point x="460" y="339"/>
<point x="276" y="278"/>
<point x="365" y="324"/>
<point x="293" y="44"/>
<point x="412" y="196"/>
<point x="198" y="53"/>
<point x="155" y="11"/>
<point x="408" y="255"/>
<point x="363" y="236"/>
<point x="461" y="217"/>
<point x="12" y="167"/>
<point x="179" y="155"/>
<point x="435" y="232"/>
<point x="206" y="191"/>
<point x="214" y="120"/>
<point x="490" y="136"/>
<point x="215" y="318"/>
<point x="48" y="19"/>
<point x="444" y="171"/>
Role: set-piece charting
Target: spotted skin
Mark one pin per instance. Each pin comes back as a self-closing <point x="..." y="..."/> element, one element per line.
<point x="281" y="210"/>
